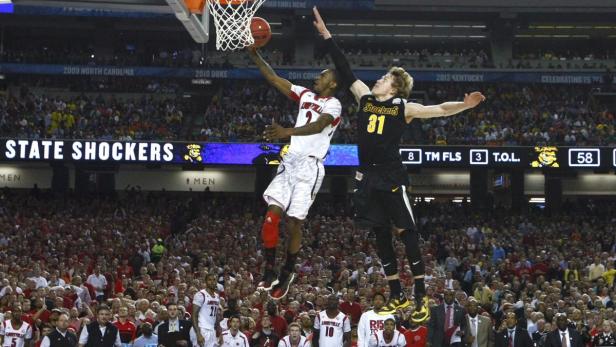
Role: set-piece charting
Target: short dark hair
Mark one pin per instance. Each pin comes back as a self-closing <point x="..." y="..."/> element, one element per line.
<point x="235" y="317"/>
<point x="337" y="79"/>
<point x="379" y="294"/>
<point x="103" y="307"/>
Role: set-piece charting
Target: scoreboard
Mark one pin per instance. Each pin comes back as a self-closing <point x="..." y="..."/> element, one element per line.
<point x="510" y="157"/>
<point x="208" y="153"/>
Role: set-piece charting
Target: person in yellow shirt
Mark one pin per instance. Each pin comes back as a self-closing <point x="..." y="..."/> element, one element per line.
<point x="572" y="274"/>
<point x="596" y="269"/>
<point x="483" y="294"/>
<point x="69" y="120"/>
<point x="609" y="274"/>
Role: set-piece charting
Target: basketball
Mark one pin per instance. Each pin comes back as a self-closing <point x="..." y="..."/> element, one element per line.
<point x="261" y="31"/>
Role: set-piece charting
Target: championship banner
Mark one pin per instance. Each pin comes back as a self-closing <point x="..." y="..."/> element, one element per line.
<point x="205" y="153"/>
<point x="424" y="75"/>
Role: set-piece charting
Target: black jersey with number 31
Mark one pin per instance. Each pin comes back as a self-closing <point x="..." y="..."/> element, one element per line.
<point x="380" y="125"/>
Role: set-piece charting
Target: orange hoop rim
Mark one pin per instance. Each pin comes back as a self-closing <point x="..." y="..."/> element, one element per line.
<point x="230" y="2"/>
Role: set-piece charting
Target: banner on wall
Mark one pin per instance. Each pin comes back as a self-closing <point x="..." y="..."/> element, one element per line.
<point x="204" y="153"/>
<point x="440" y="75"/>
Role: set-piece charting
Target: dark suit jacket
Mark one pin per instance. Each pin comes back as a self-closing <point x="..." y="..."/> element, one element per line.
<point x="554" y="339"/>
<point x="168" y="339"/>
<point x="436" y="324"/>
<point x="521" y="339"/>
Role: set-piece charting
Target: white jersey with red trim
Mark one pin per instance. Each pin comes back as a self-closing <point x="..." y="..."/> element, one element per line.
<point x="15" y="337"/>
<point x="377" y="340"/>
<point x="331" y="330"/>
<point x="286" y="342"/>
<point x="369" y="323"/>
<point x="229" y="340"/>
<point x="210" y="305"/>
<point x="311" y="106"/>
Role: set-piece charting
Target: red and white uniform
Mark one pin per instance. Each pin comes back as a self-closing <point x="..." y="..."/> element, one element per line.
<point x="416" y="337"/>
<point x="208" y="314"/>
<point x="377" y="340"/>
<point x="310" y="108"/>
<point x="237" y="340"/>
<point x="331" y="331"/>
<point x="301" y="172"/>
<point x="370" y="323"/>
<point x="15" y="337"/>
<point x="286" y="342"/>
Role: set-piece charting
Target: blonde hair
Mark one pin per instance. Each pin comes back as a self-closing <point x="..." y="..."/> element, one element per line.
<point x="296" y="325"/>
<point x="402" y="81"/>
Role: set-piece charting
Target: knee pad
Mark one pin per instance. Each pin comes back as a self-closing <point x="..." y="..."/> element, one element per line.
<point x="385" y="250"/>
<point x="270" y="231"/>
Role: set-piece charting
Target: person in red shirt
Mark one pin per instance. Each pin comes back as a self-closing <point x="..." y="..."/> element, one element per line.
<point x="125" y="270"/>
<point x="416" y="335"/>
<point x="350" y="307"/>
<point x="40" y="311"/>
<point x="126" y="328"/>
<point x="279" y="324"/>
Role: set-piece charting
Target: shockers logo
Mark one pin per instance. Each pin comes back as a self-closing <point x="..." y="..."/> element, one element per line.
<point x="546" y="157"/>
<point x="194" y="153"/>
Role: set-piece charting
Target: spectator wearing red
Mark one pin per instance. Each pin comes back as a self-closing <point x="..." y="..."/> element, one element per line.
<point x="125" y="270"/>
<point x="126" y="328"/>
<point x="279" y="324"/>
<point x="350" y="307"/>
<point x="415" y="335"/>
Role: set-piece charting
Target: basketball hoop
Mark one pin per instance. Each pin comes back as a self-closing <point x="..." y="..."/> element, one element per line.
<point x="232" y="21"/>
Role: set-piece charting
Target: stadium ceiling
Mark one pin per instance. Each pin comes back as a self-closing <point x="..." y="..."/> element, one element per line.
<point x="152" y="6"/>
<point x="519" y="6"/>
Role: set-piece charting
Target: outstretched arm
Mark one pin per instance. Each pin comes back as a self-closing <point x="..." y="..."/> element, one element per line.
<point x="357" y="87"/>
<point x="413" y="110"/>
<point x="283" y="85"/>
<point x="276" y="131"/>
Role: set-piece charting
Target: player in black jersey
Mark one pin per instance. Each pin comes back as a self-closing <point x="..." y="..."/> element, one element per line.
<point x="381" y="200"/>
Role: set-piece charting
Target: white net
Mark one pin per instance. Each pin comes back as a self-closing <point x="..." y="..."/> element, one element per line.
<point x="232" y="21"/>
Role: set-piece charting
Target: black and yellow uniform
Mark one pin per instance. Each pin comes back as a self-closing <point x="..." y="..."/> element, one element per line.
<point x="380" y="188"/>
<point x="381" y="180"/>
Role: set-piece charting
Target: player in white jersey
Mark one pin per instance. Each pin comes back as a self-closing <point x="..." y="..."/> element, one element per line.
<point x="389" y="337"/>
<point x="301" y="171"/>
<point x="205" y="315"/>
<point x="233" y="337"/>
<point x="15" y="332"/>
<point x="295" y="338"/>
<point x="371" y="321"/>
<point x="332" y="328"/>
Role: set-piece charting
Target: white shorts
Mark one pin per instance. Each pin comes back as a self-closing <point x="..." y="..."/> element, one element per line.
<point x="210" y="338"/>
<point x="296" y="184"/>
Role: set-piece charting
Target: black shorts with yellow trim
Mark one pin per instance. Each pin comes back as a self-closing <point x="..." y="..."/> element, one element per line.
<point x="381" y="199"/>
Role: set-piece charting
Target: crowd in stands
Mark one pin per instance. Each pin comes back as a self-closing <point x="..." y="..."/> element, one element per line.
<point x="447" y="57"/>
<point x="195" y="57"/>
<point x="513" y="114"/>
<point x="516" y="114"/>
<point x="240" y="112"/>
<point x="529" y="57"/>
<point x="33" y="115"/>
<point x="56" y="249"/>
